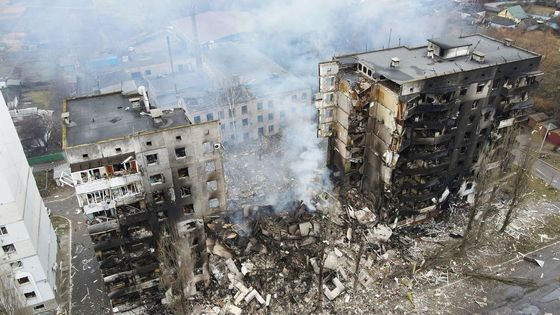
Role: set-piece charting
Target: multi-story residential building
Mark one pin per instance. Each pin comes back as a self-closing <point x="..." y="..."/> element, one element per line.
<point x="29" y="244"/>
<point x="407" y="125"/>
<point x="249" y="93"/>
<point x="136" y="169"/>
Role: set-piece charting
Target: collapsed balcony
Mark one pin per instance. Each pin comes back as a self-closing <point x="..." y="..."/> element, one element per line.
<point x="421" y="167"/>
<point x="430" y="104"/>
<point x="433" y="138"/>
<point x="412" y="195"/>
<point x="108" y="244"/>
<point x="421" y="182"/>
<point x="426" y="152"/>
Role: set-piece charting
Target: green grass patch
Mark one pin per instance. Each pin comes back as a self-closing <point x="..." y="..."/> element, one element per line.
<point x="45" y="182"/>
<point x="39" y="98"/>
<point x="541" y="190"/>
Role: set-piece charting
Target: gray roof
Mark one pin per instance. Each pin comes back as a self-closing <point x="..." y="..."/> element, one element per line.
<point x="415" y="65"/>
<point x="102" y="117"/>
<point x="502" y="21"/>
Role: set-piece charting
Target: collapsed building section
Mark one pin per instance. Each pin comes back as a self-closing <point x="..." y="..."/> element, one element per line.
<point x="136" y="170"/>
<point x="407" y="125"/>
<point x="274" y="259"/>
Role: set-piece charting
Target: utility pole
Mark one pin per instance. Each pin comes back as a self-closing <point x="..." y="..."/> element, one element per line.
<point x="545" y="135"/>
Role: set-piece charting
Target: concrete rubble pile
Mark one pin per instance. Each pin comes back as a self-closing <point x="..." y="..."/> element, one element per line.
<point x="265" y="260"/>
<point x="255" y="174"/>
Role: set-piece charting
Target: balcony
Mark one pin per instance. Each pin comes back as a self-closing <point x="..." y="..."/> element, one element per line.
<point x="436" y="123"/>
<point x="112" y="243"/>
<point x="103" y="205"/>
<point x="108" y="183"/>
<point x="103" y="227"/>
<point x="429" y="107"/>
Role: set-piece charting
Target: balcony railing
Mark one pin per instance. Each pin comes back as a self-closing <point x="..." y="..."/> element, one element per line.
<point x="108" y="183"/>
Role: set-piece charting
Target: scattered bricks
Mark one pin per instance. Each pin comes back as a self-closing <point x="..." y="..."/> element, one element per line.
<point x="332" y="294"/>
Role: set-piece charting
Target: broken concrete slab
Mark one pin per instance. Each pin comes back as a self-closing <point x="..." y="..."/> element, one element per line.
<point x="365" y="216"/>
<point x="331" y="261"/>
<point x="247" y="267"/>
<point x="380" y="233"/>
<point x="233" y="268"/>
<point x="538" y="262"/>
<point x="305" y="228"/>
<point x="334" y="293"/>
<point x="220" y="250"/>
<point x="254" y="294"/>
<point x="241" y="293"/>
<point x="230" y="309"/>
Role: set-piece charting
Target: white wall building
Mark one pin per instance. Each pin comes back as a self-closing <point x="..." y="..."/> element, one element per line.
<point x="27" y="239"/>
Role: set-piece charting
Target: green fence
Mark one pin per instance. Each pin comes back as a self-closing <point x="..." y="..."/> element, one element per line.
<point x="52" y="157"/>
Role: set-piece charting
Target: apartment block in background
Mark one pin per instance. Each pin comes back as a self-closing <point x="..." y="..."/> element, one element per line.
<point x="248" y="92"/>
<point x="29" y="244"/>
<point x="137" y="170"/>
<point x="407" y="125"/>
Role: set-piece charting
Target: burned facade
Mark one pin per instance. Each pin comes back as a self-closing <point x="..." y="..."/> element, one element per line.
<point x="407" y="125"/>
<point x="136" y="170"/>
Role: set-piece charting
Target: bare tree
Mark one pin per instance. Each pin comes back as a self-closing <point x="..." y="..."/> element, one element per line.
<point x="494" y="163"/>
<point x="483" y="178"/>
<point x="232" y="93"/>
<point x="520" y="183"/>
<point x="176" y="266"/>
<point x="11" y="299"/>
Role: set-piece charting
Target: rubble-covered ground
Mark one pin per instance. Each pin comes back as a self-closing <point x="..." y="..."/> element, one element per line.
<point x="255" y="174"/>
<point x="338" y="259"/>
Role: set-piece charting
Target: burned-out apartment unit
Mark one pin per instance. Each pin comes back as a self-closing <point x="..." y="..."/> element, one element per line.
<point x="408" y="125"/>
<point x="138" y="170"/>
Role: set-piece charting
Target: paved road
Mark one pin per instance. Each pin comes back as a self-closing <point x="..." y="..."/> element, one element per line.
<point x="546" y="172"/>
<point x="88" y="292"/>
<point x="545" y="298"/>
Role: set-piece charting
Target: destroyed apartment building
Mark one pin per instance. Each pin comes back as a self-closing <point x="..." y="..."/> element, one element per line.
<point x="138" y="171"/>
<point x="407" y="125"/>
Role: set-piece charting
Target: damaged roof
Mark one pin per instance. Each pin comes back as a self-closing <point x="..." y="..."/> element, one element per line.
<point x="449" y="42"/>
<point x="415" y="65"/>
<point x="107" y="116"/>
